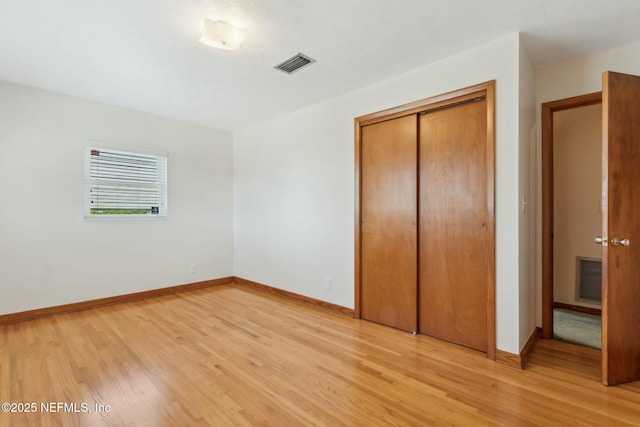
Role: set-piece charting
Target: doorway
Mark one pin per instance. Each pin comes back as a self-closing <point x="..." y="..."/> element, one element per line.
<point x="577" y="218"/>
<point x="571" y="216"/>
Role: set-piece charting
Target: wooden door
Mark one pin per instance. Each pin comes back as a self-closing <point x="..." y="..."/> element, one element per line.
<point x="454" y="247"/>
<point x="388" y="222"/>
<point x="621" y="220"/>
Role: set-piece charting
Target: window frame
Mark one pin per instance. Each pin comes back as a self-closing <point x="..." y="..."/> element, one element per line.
<point x="163" y="187"/>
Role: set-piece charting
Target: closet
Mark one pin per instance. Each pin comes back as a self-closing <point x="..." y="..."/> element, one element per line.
<point x="424" y="217"/>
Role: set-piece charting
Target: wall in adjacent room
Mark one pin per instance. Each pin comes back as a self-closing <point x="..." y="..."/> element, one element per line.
<point x="50" y="256"/>
<point x="577" y="183"/>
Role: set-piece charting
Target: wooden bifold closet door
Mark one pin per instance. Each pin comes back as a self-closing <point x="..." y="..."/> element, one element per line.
<point x="424" y="233"/>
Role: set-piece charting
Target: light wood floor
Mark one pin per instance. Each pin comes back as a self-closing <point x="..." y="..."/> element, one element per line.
<point x="234" y="356"/>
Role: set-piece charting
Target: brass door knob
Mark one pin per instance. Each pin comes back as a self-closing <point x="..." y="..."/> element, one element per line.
<point x="619" y="242"/>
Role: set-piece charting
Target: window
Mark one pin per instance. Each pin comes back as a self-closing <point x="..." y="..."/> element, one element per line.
<point x="124" y="183"/>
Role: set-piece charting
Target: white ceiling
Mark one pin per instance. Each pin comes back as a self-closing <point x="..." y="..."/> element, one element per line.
<point x="144" y="54"/>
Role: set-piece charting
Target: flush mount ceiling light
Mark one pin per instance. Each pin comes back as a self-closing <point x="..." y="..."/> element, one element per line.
<point x="222" y="35"/>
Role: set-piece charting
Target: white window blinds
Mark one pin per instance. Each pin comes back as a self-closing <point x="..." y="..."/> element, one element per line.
<point x="124" y="183"/>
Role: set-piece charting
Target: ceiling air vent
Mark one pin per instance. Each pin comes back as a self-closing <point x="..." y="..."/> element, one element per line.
<point x="294" y="63"/>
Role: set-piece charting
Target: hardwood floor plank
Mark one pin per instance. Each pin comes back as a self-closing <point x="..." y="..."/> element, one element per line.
<point x="235" y="356"/>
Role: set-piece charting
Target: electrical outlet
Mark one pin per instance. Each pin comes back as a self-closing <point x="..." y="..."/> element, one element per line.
<point x="194" y="268"/>
<point x="327" y="284"/>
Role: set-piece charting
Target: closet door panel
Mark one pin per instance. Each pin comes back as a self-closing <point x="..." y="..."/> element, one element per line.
<point x="389" y="222"/>
<point x="453" y="234"/>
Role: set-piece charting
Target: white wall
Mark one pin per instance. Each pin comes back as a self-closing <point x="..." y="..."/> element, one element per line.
<point x="577" y="183"/>
<point x="526" y="207"/>
<point x="571" y="78"/>
<point x="50" y="256"/>
<point x="294" y="183"/>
